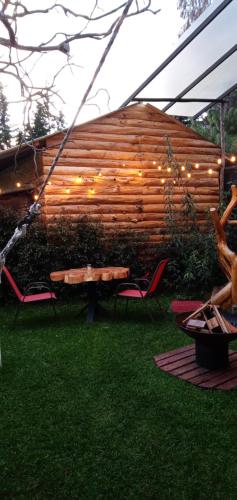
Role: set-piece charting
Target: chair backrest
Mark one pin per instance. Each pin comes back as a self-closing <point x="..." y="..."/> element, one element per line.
<point x="157" y="276"/>
<point x="12" y="283"/>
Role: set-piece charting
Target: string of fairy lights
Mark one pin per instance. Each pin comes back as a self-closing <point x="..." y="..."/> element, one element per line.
<point x="170" y="167"/>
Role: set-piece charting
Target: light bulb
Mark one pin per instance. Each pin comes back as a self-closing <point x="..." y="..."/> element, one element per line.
<point x="68" y="191"/>
<point x="140" y="173"/>
<point x="169" y="169"/>
<point x="79" y="180"/>
<point x="49" y="183"/>
<point x="124" y="164"/>
<point x="188" y="175"/>
<point x="174" y="181"/>
<point x="159" y="167"/>
<point x="196" y="165"/>
<point x="91" y="191"/>
<point x="36" y="197"/>
<point x="99" y="174"/>
<point x="219" y="161"/>
<point x="154" y="162"/>
<point x="232" y="158"/>
<point x="183" y="168"/>
<point x="18" y="184"/>
<point x="210" y="171"/>
<point x="162" y="181"/>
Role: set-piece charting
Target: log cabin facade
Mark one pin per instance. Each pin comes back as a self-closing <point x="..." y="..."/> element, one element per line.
<point x="114" y="169"/>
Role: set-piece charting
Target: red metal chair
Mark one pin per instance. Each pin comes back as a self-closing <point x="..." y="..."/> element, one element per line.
<point x="132" y="291"/>
<point x="44" y="292"/>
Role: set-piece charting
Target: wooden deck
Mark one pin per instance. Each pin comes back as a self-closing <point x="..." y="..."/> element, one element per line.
<point x="181" y="363"/>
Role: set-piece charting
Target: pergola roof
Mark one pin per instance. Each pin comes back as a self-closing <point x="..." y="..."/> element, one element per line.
<point x="203" y="66"/>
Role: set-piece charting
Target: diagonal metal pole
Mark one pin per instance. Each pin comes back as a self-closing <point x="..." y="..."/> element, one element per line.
<point x="34" y="209"/>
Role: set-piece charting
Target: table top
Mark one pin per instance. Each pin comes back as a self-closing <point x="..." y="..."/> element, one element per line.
<point x="85" y="274"/>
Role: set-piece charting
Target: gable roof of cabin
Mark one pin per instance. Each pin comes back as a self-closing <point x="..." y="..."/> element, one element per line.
<point x="24" y="150"/>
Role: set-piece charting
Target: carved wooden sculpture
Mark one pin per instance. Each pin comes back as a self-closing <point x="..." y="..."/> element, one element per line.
<point x="227" y="296"/>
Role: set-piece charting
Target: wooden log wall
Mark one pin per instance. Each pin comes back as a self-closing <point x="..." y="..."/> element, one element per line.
<point x="109" y="171"/>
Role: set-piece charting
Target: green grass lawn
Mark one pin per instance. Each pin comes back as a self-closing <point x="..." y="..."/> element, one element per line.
<point x="85" y="414"/>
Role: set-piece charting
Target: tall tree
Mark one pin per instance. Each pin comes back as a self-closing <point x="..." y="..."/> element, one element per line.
<point x="5" y="132"/>
<point x="190" y="10"/>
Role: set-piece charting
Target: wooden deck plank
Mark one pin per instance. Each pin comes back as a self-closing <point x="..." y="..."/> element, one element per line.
<point x="181" y="363"/>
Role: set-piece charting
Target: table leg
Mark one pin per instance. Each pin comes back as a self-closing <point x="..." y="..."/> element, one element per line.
<point x="92" y="301"/>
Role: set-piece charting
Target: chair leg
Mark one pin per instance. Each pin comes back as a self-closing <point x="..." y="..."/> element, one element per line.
<point x="16" y="315"/>
<point x="53" y="306"/>
<point x="126" y="307"/>
<point x="149" y="311"/>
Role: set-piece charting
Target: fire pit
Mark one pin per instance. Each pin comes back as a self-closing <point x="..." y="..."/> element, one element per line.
<point x="211" y="348"/>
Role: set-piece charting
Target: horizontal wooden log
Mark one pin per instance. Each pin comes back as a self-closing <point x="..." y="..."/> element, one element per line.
<point x="96" y="163"/>
<point x="180" y="148"/>
<point x="66" y="199"/>
<point x="76" y="138"/>
<point x="160" y="155"/>
<point x="157" y="221"/>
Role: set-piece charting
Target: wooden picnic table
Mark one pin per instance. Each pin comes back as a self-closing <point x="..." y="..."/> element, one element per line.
<point x="91" y="276"/>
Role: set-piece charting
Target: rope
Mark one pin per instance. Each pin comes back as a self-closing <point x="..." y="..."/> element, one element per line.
<point x="34" y="209"/>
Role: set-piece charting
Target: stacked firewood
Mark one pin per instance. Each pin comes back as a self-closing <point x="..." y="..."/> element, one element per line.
<point x="208" y="319"/>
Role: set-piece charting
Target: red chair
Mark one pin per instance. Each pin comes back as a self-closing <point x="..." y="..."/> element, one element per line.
<point x="132" y="291"/>
<point x="44" y="291"/>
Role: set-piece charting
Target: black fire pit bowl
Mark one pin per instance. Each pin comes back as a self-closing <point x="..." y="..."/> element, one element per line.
<point x="211" y="349"/>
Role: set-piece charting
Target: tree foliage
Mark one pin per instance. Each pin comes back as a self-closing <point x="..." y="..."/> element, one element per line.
<point x="190" y="10"/>
<point x="5" y="133"/>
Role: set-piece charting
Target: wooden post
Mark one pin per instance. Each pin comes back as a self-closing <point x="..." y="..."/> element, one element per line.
<point x="222" y="137"/>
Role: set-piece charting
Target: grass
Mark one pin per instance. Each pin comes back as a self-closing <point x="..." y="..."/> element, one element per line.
<point x="85" y="414"/>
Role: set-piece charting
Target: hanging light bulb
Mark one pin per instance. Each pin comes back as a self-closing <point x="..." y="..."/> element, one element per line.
<point x="168" y="169"/>
<point x="219" y="161"/>
<point x="140" y="173"/>
<point x="124" y="164"/>
<point x="196" y="165"/>
<point x="159" y="167"/>
<point x="18" y="184"/>
<point x="233" y="159"/>
<point x="162" y="181"/>
<point x="67" y="191"/>
<point x="99" y="174"/>
<point x="49" y="183"/>
<point x="91" y="191"/>
<point x="79" y="180"/>
<point x="174" y="181"/>
<point x="188" y="175"/>
<point x="36" y="197"/>
<point x="210" y="171"/>
<point x="154" y="162"/>
<point x="183" y="168"/>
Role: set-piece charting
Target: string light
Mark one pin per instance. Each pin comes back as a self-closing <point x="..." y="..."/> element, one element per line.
<point x="68" y="191"/>
<point x="79" y="180"/>
<point x="99" y="174"/>
<point x="196" y="165"/>
<point x="210" y="171"/>
<point x="188" y="175"/>
<point x="140" y="173"/>
<point x="36" y="197"/>
<point x="18" y="184"/>
<point x="183" y="168"/>
<point x="159" y="167"/>
<point x="154" y="162"/>
<point x="162" y="181"/>
<point x="169" y="169"/>
<point x="174" y="181"/>
<point x="219" y="161"/>
<point x="232" y="158"/>
<point x="91" y="191"/>
<point x="49" y="183"/>
<point x="124" y="164"/>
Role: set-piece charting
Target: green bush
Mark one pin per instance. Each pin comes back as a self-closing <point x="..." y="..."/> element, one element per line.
<point x="39" y="253"/>
<point x="194" y="266"/>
